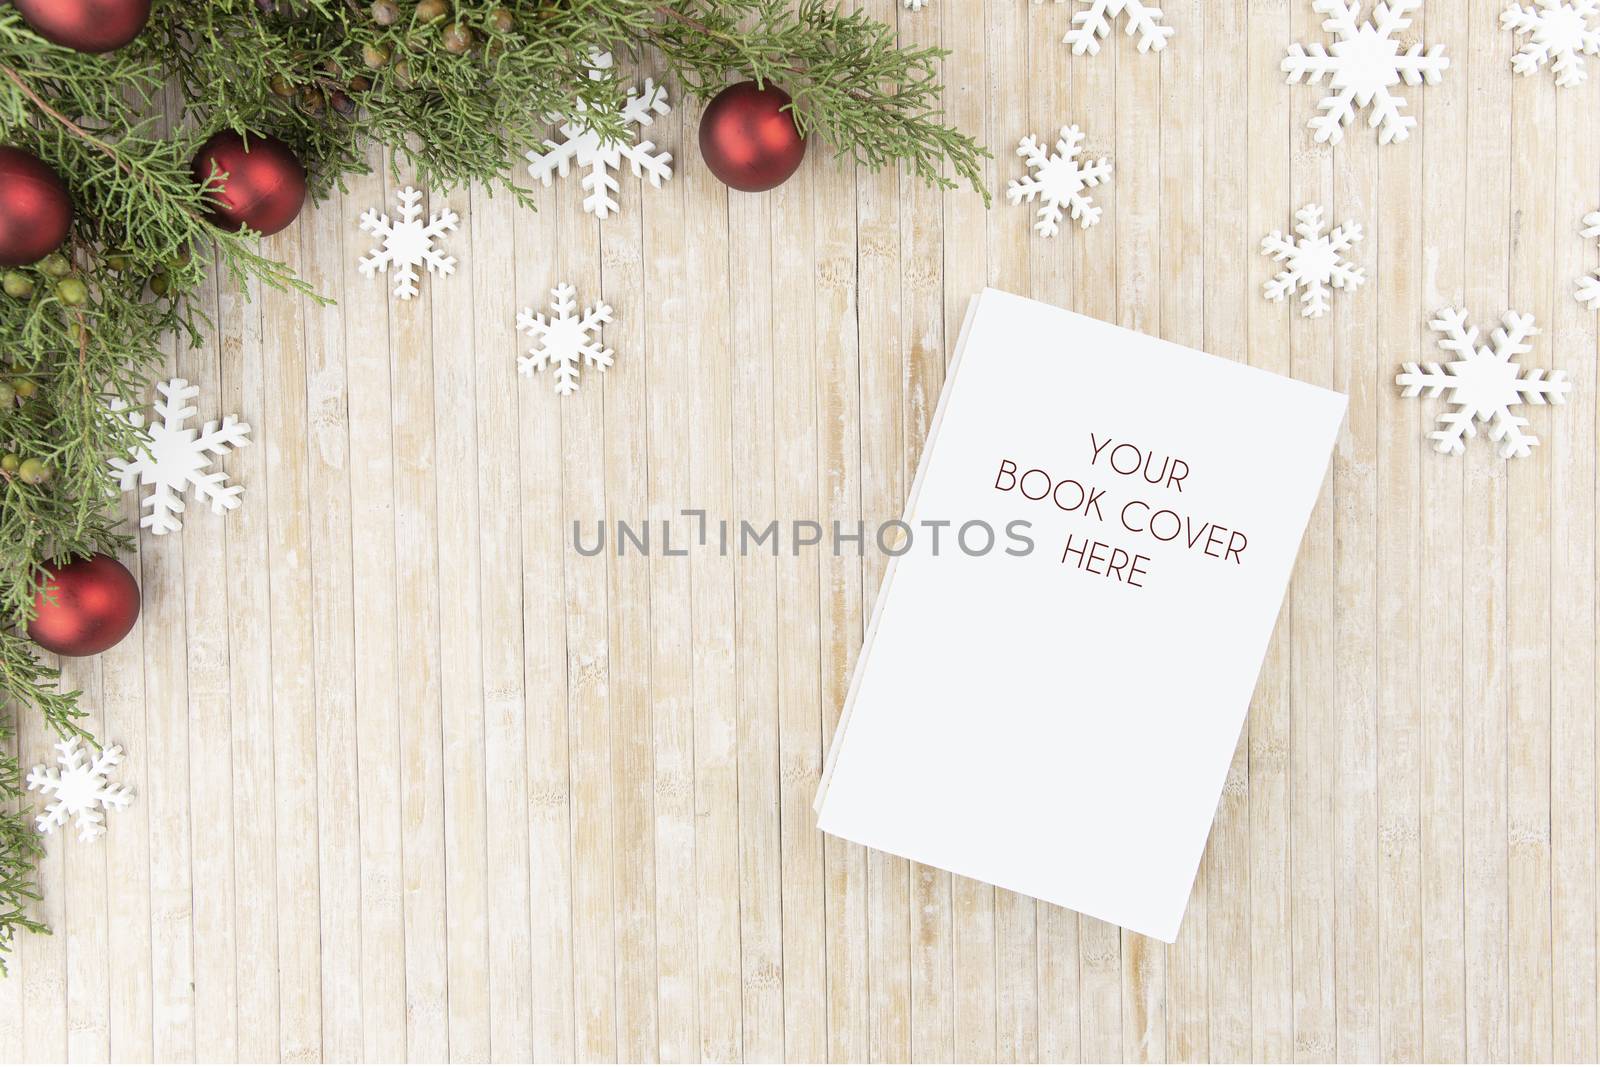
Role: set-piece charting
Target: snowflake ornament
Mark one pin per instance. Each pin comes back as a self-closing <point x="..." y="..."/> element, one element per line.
<point x="582" y="147"/>
<point x="1589" y="284"/>
<point x="1483" y="383"/>
<point x="80" y="789"/>
<point x="565" y="340"/>
<point x="408" y="243"/>
<point x="1313" y="261"/>
<point x="1059" y="179"/>
<point x="173" y="457"/>
<point x="915" y="5"/>
<point x="1362" y="66"/>
<point x="1088" y="27"/>
<point x="1558" y="33"/>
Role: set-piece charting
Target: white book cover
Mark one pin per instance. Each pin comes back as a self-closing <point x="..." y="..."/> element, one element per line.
<point x="1055" y="715"/>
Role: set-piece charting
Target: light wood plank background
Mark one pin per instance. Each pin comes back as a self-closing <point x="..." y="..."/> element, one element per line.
<point x="416" y="779"/>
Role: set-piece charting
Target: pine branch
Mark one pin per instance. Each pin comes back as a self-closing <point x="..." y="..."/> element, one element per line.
<point x="456" y="98"/>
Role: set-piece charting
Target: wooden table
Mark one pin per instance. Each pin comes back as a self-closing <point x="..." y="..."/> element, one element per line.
<point x="418" y="779"/>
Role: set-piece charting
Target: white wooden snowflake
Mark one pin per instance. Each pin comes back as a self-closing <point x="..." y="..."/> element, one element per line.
<point x="1558" y="33"/>
<point x="80" y="789"/>
<point x="583" y="147"/>
<point x="915" y="5"/>
<point x="173" y="457"/>
<point x="1059" y="179"/>
<point x="1589" y="284"/>
<point x="564" y="340"/>
<point x="1088" y="27"/>
<point x="1362" y="66"/>
<point x="408" y="243"/>
<point x="1313" y="261"/>
<point x="1483" y="383"/>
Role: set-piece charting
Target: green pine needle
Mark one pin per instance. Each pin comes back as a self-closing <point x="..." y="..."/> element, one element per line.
<point x="328" y="79"/>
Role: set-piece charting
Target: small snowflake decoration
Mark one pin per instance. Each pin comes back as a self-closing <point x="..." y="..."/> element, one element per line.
<point x="80" y="790"/>
<point x="173" y="457"/>
<point x="1058" y="179"/>
<point x="582" y="147"/>
<point x="408" y="243"/>
<point x="1362" y="66"/>
<point x="1088" y="27"/>
<point x="1558" y="33"/>
<point x="915" y="5"/>
<point x="1313" y="262"/>
<point x="1589" y="284"/>
<point x="565" y="340"/>
<point x="1483" y="383"/>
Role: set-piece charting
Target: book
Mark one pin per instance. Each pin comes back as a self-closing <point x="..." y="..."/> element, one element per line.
<point x="1063" y="650"/>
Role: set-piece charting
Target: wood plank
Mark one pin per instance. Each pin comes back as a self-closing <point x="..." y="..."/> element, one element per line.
<point x="241" y="389"/>
<point x="1313" y="624"/>
<point x="283" y="435"/>
<point x="1572" y="346"/>
<point x="708" y="360"/>
<point x="1354" y="324"/>
<point x="1485" y="519"/>
<point x="629" y="611"/>
<point x="127" y="845"/>
<point x="803" y="919"/>
<point x="375" y="621"/>
<point x="331" y="612"/>
<point x="1446" y="157"/>
<point x="588" y="667"/>
<point x="417" y="647"/>
<point x="756" y="431"/>
<point x="491" y="239"/>
<point x="461" y="636"/>
<point x="166" y="793"/>
<point x="1397" y="274"/>
<point x="544" y="654"/>
<point x="1270" y="726"/>
<point x="669" y="387"/>
<point x="1529" y="637"/>
<point x="209" y="721"/>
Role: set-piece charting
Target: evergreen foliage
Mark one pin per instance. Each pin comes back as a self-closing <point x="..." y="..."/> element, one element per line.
<point x="456" y="90"/>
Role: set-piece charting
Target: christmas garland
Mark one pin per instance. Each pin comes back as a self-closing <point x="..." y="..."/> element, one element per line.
<point x="132" y="137"/>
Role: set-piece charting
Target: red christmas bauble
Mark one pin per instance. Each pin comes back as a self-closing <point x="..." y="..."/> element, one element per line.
<point x="96" y="604"/>
<point x="86" y="25"/>
<point x="35" y="209"/>
<point x="747" y="138"/>
<point x="262" y="186"/>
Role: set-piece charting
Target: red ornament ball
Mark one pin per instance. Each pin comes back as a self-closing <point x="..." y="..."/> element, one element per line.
<point x="262" y="186"/>
<point x="747" y="138"/>
<point x="86" y="25"/>
<point x="35" y="209"/>
<point x="96" y="604"/>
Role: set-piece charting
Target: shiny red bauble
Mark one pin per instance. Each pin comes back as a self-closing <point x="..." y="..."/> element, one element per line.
<point x="747" y="138"/>
<point x="96" y="604"/>
<point x="262" y="186"/>
<point x="35" y="210"/>
<point x="86" y="25"/>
